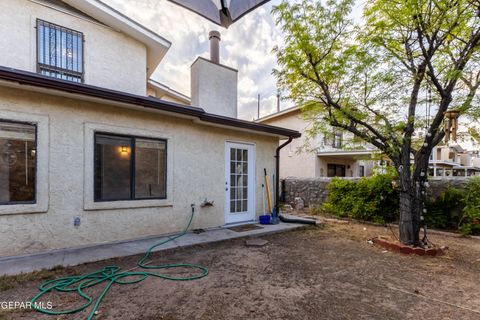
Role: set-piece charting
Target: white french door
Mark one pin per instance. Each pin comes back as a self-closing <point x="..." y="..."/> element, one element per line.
<point x="239" y="182"/>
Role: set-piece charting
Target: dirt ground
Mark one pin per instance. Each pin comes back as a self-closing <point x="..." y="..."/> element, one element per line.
<point x="314" y="273"/>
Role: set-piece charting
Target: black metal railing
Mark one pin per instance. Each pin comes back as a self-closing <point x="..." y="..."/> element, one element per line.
<point x="59" y="52"/>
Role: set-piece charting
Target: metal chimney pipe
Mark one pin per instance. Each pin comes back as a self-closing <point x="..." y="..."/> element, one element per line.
<point x="278" y="101"/>
<point x="214" y="37"/>
<point x="258" y="106"/>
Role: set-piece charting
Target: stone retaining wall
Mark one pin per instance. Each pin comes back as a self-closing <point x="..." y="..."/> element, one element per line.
<point x="314" y="191"/>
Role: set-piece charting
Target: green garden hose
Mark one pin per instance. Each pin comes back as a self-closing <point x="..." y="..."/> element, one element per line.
<point x="112" y="275"/>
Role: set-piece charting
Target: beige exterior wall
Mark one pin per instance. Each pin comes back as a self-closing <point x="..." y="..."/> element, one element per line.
<point x="466" y="159"/>
<point x="445" y="153"/>
<point x="295" y="161"/>
<point x="196" y="170"/>
<point x="166" y="97"/>
<point x="352" y="166"/>
<point x="302" y="162"/>
<point x="172" y="99"/>
<point x="163" y="92"/>
<point x="206" y="79"/>
<point x="112" y="59"/>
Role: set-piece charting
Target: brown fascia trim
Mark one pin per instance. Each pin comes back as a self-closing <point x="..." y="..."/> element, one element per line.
<point x="36" y="80"/>
<point x="214" y="118"/>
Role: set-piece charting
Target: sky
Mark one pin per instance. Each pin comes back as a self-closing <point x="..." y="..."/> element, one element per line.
<point x="246" y="46"/>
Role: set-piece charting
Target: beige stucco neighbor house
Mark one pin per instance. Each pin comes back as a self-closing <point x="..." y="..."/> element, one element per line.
<point x="321" y="156"/>
<point x="455" y="159"/>
<point x="90" y="154"/>
<point x="329" y="156"/>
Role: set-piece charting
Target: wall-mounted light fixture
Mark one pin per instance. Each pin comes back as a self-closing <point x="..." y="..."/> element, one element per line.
<point x="124" y="149"/>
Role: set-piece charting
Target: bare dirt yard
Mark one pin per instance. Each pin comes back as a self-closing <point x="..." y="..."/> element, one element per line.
<point x="314" y="273"/>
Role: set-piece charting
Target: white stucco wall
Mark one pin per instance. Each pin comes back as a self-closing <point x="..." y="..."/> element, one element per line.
<point x="206" y="79"/>
<point x="112" y="59"/>
<point x="295" y="161"/>
<point x="196" y="170"/>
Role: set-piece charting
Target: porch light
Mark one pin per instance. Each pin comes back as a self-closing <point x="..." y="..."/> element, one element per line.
<point x="124" y="149"/>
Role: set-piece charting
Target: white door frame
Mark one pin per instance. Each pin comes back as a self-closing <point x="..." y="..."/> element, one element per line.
<point x="250" y="213"/>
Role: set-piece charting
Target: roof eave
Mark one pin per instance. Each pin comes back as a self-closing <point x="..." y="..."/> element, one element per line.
<point x="147" y="103"/>
<point x="156" y="45"/>
<point x="278" y="114"/>
<point x="168" y="91"/>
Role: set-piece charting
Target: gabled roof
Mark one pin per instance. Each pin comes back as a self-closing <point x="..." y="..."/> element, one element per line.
<point x="157" y="46"/>
<point x="36" y="82"/>
<point x="166" y="90"/>
<point x="278" y="114"/>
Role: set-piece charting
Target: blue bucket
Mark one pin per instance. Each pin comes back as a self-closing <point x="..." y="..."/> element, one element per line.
<point x="264" y="219"/>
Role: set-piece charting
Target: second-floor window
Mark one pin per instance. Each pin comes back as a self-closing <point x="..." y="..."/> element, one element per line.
<point x="337" y="140"/>
<point x="333" y="140"/>
<point x="59" y="52"/>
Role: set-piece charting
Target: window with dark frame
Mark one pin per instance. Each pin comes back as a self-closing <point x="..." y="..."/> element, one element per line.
<point x="337" y="140"/>
<point x="335" y="170"/>
<point x="129" y="168"/>
<point x="333" y="139"/>
<point x="59" y="52"/>
<point x="361" y="171"/>
<point x="18" y="147"/>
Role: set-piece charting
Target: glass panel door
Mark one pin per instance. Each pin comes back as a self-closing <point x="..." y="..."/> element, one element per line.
<point x="240" y="170"/>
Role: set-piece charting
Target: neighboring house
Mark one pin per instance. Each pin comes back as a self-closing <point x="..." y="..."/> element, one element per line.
<point x="321" y="156"/>
<point x="455" y="159"/>
<point x="88" y="156"/>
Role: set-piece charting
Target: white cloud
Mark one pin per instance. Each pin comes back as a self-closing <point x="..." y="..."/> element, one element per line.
<point x="246" y="46"/>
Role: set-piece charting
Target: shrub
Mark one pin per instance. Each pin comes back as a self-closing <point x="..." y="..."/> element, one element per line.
<point x="444" y="212"/>
<point x="374" y="199"/>
<point x="340" y="197"/>
<point x="316" y="210"/>
<point x="370" y="199"/>
<point x="470" y="220"/>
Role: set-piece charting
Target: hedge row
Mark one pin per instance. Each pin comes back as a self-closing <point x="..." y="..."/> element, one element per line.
<point x="375" y="199"/>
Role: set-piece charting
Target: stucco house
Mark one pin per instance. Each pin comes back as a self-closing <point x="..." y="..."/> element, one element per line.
<point x="90" y="154"/>
<point x="322" y="155"/>
<point x="332" y="156"/>
<point x="455" y="159"/>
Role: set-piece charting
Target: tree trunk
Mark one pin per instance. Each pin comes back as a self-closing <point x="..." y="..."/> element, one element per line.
<point x="410" y="211"/>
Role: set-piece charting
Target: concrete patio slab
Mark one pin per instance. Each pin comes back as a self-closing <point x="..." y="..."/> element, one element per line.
<point x="13" y="265"/>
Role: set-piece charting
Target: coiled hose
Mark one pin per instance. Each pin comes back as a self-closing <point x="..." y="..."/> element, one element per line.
<point x="113" y="275"/>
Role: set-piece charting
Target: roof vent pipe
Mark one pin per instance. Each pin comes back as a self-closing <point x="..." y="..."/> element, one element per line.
<point x="214" y="37"/>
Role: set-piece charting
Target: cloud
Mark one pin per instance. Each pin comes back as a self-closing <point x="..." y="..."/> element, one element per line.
<point x="246" y="46"/>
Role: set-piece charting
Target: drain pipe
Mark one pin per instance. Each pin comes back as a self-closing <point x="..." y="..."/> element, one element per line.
<point x="277" y="180"/>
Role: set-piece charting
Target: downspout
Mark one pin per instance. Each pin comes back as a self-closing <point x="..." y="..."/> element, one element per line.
<point x="277" y="180"/>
